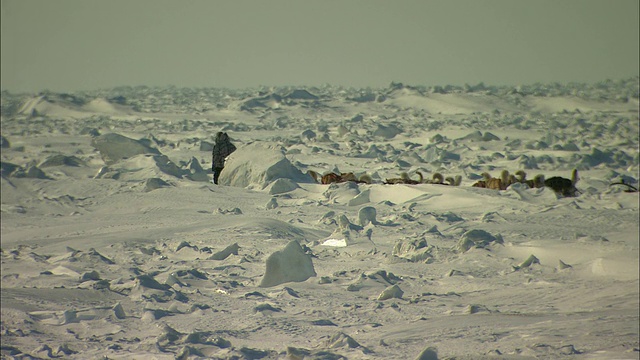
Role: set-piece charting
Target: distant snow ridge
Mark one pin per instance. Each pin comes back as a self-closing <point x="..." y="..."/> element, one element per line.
<point x="301" y="94"/>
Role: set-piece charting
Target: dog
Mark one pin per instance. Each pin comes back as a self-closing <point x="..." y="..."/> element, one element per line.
<point x="330" y="178"/>
<point x="438" y="179"/>
<point x="536" y="182"/>
<point x="405" y="179"/>
<point x="454" y="181"/>
<point x="495" y="183"/>
<point x="563" y="186"/>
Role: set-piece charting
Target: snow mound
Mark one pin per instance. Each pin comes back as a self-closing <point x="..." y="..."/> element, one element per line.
<point x="42" y="106"/>
<point x="257" y="165"/>
<point x="290" y="264"/>
<point x="101" y="106"/>
<point x="115" y="147"/>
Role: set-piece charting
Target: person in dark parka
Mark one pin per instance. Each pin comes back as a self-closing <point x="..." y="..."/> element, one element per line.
<point x="222" y="148"/>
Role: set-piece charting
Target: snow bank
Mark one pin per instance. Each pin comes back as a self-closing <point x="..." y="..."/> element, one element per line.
<point x="257" y="165"/>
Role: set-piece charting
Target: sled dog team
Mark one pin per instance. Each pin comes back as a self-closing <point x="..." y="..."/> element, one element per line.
<point x="562" y="186"/>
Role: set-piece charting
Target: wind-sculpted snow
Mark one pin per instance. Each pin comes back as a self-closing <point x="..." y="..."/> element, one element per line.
<point x="115" y="243"/>
<point x="258" y="165"/>
<point x="114" y="147"/>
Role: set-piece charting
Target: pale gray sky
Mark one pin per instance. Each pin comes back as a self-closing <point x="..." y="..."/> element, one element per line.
<point x="68" y="45"/>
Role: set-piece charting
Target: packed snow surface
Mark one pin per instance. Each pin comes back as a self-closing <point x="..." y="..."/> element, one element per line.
<point x="115" y="243"/>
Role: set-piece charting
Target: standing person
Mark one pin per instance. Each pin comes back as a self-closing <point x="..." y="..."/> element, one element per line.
<point x="222" y="148"/>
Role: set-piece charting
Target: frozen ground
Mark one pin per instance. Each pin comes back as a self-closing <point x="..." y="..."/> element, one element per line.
<point x="101" y="259"/>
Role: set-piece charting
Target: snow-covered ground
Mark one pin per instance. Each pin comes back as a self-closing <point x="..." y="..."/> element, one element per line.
<point x="115" y="244"/>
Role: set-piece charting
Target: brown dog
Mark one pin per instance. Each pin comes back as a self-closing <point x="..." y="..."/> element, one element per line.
<point x="494" y="183"/>
<point x="332" y="177"/>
